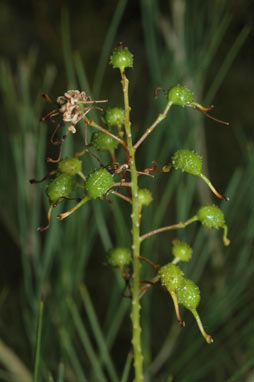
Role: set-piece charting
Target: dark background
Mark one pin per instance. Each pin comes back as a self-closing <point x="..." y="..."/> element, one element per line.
<point x="37" y="26"/>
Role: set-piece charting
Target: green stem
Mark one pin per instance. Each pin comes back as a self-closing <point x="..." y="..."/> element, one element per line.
<point x="226" y="240"/>
<point x="212" y="188"/>
<point x="176" y="306"/>
<point x="206" y="336"/>
<point x="38" y="344"/>
<point x="64" y="215"/>
<point x="135" y="311"/>
<point x="60" y="377"/>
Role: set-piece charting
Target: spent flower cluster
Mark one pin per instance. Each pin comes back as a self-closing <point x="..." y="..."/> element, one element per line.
<point x="73" y="107"/>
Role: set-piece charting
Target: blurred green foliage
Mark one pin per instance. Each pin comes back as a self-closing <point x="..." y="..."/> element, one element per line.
<point x="49" y="47"/>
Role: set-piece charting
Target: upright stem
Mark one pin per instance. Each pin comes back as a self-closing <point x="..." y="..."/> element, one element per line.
<point x="135" y="310"/>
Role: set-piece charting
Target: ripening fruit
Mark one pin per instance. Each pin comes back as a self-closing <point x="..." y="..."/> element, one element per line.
<point x="144" y="197"/>
<point x="98" y="183"/>
<point x="118" y="257"/>
<point x="180" y="95"/>
<point x="171" y="276"/>
<point x="188" y="294"/>
<point x="211" y="216"/>
<point x="71" y="166"/>
<point x="187" y="161"/>
<point x="121" y="58"/>
<point x="61" y="186"/>
<point x="190" y="162"/>
<point x="181" y="250"/>
<point x="114" y="117"/>
<point x="103" y="142"/>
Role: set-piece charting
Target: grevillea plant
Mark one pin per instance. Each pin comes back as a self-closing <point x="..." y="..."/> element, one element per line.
<point x="122" y="179"/>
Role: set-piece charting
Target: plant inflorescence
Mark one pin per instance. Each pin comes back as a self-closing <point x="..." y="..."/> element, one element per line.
<point x="71" y="179"/>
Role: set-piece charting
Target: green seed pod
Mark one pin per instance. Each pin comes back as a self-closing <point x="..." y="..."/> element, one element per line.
<point x="144" y="197"/>
<point x="121" y="58"/>
<point x="190" y="162"/>
<point x="118" y="257"/>
<point x="211" y="216"/>
<point x="61" y="186"/>
<point x="180" y="95"/>
<point x="188" y="294"/>
<point x="104" y="142"/>
<point x="114" y="117"/>
<point x="71" y="166"/>
<point x="187" y="161"/>
<point x="98" y="183"/>
<point x="181" y="250"/>
<point x="171" y="276"/>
